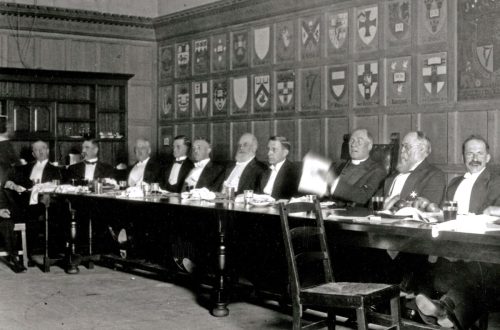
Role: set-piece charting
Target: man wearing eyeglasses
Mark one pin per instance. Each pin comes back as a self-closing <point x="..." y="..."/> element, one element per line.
<point x="359" y="178"/>
<point x="466" y="289"/>
<point x="415" y="177"/>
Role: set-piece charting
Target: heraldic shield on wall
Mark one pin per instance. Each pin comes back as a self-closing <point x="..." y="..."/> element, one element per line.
<point x="240" y="95"/>
<point x="200" y="98"/>
<point x="166" y="99"/>
<point x="310" y="37"/>
<point x="183" y="59"/>
<point x="239" y="47"/>
<point x="219" y="52"/>
<point x="182" y="100"/>
<point x="166" y="62"/>
<point x="285" y="90"/>
<point x="399" y="80"/>
<point x="398" y="23"/>
<point x="284" y="36"/>
<point x="220" y="92"/>
<point x="337" y="83"/>
<point x="201" y="56"/>
<point x="165" y="136"/>
<point x="432" y="21"/>
<point x="433" y="86"/>
<point x="262" y="93"/>
<point x="337" y="25"/>
<point x="367" y="83"/>
<point x="367" y="24"/>
<point x="479" y="52"/>
<point x="262" y="45"/>
<point x="310" y="89"/>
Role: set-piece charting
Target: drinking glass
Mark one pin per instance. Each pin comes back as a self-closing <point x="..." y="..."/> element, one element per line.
<point x="248" y="194"/>
<point x="450" y="209"/>
<point x="377" y="203"/>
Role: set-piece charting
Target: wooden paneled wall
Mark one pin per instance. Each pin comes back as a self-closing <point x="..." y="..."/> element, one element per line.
<point x="445" y="120"/>
<point x="100" y="43"/>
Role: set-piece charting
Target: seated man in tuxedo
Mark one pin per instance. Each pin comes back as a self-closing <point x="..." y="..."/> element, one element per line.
<point x="358" y="179"/>
<point x="8" y="234"/>
<point x="205" y="174"/>
<point x="176" y="171"/>
<point x="466" y="289"/>
<point x="415" y="177"/>
<point x="39" y="171"/>
<point x="90" y="168"/>
<point x="145" y="169"/>
<point x="246" y="172"/>
<point x="281" y="179"/>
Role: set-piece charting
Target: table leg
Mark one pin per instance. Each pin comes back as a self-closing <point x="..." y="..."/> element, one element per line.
<point x="46" y="259"/>
<point x="71" y="257"/>
<point x="220" y="291"/>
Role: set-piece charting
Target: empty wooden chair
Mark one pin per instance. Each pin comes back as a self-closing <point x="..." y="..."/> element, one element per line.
<point x="311" y="278"/>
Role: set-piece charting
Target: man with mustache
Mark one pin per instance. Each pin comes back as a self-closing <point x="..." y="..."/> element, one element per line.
<point x="245" y="174"/>
<point x="468" y="287"/>
<point x="415" y="177"/>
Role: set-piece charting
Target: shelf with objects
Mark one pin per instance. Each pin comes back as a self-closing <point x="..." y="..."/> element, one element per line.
<point x="65" y="107"/>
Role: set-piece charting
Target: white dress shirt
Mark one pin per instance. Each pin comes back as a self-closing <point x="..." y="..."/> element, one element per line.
<point x="194" y="175"/>
<point x="233" y="180"/>
<point x="400" y="180"/>
<point x="136" y="175"/>
<point x="464" y="190"/>
<point x="90" y="169"/>
<point x="336" y="181"/>
<point x="37" y="171"/>
<point x="174" y="172"/>
<point x="268" y="189"/>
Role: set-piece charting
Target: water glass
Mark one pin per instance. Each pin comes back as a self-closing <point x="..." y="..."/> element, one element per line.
<point x="450" y="209"/>
<point x="155" y="187"/>
<point x="377" y="203"/>
<point x="122" y="184"/>
<point x="248" y="194"/>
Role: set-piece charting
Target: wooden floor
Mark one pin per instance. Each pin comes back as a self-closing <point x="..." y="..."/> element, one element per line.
<point x="103" y="298"/>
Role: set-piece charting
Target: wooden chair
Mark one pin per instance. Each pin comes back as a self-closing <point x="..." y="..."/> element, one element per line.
<point x="20" y="227"/>
<point x="306" y="249"/>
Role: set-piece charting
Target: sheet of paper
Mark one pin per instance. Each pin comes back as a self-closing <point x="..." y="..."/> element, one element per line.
<point x="314" y="171"/>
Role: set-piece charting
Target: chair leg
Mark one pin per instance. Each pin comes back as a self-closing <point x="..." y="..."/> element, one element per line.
<point x="361" y="318"/>
<point x="25" y="248"/>
<point x="396" y="312"/>
<point x="331" y="320"/>
<point x="297" y="317"/>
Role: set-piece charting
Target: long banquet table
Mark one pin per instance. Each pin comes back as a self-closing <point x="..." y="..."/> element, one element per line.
<point x="228" y="234"/>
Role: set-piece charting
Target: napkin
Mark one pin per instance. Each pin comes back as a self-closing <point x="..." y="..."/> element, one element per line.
<point x="197" y="194"/>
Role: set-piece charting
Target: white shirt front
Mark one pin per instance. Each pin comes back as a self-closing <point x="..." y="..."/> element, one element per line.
<point x="400" y="180"/>
<point x="464" y="190"/>
<point x="136" y="175"/>
<point x="37" y="171"/>
<point x="174" y="172"/>
<point x="268" y="189"/>
<point x="90" y="169"/>
<point x="194" y="175"/>
<point x="233" y="179"/>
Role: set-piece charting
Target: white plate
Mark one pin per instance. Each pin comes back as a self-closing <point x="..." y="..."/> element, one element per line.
<point x="260" y="203"/>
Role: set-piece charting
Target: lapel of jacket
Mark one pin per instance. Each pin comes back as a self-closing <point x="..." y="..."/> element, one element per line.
<point x="45" y="172"/>
<point x="388" y="184"/>
<point x="247" y="171"/>
<point x="204" y="176"/>
<point x="411" y="183"/>
<point x="279" y="181"/>
<point x="452" y="188"/>
<point x="479" y="193"/>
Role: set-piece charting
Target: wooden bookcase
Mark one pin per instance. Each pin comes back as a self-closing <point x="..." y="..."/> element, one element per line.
<point x="63" y="107"/>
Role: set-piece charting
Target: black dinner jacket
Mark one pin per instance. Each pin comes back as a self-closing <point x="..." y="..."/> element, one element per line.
<point x="152" y="171"/>
<point x="250" y="177"/>
<point x="358" y="183"/>
<point x="426" y="181"/>
<point x="21" y="174"/>
<point x="186" y="167"/>
<point x="77" y="171"/>
<point x="211" y="177"/>
<point x="286" y="183"/>
<point x="485" y="191"/>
